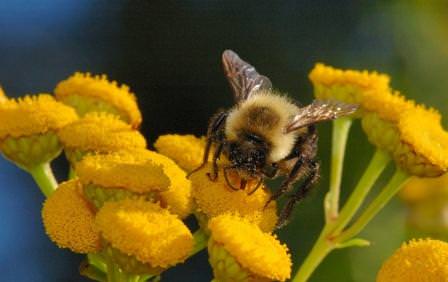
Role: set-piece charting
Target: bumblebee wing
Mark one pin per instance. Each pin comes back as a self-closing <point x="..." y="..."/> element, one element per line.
<point x="243" y="78"/>
<point x="319" y="111"/>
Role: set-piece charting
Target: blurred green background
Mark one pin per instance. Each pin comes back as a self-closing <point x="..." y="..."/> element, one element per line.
<point x="169" y="53"/>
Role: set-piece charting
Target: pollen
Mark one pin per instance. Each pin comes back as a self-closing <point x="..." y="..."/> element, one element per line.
<point x="146" y="231"/>
<point x="3" y="96"/>
<point x="32" y="115"/>
<point x="87" y="93"/>
<point x="186" y="150"/>
<point x="349" y="86"/>
<point x="69" y="219"/>
<point x="102" y="133"/>
<point x="416" y="261"/>
<point x="122" y="170"/>
<point x="216" y="197"/>
<point x="260" y="253"/>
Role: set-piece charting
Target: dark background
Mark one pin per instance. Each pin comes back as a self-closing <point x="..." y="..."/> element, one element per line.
<point x="169" y="53"/>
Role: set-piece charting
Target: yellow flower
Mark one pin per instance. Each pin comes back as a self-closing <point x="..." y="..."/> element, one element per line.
<point x="420" y="189"/>
<point x="417" y="261"/>
<point x="69" y="219"/>
<point x="178" y="198"/>
<point x="412" y="134"/>
<point x="117" y="175"/>
<point x="186" y="150"/>
<point x="216" y="197"/>
<point x="146" y="232"/>
<point x="28" y="129"/>
<point x="256" y="254"/>
<point x="98" y="133"/>
<point x="423" y="149"/>
<point x="87" y="93"/>
<point x="349" y="86"/>
<point x="427" y="202"/>
<point x="3" y="96"/>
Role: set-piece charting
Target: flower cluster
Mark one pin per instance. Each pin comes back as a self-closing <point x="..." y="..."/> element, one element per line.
<point x="124" y="205"/>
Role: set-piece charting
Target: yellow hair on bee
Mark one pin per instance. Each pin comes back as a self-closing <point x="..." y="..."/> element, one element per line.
<point x="266" y="114"/>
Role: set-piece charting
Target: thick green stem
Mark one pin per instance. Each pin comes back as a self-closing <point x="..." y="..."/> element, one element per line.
<point x="376" y="166"/>
<point x="43" y="176"/>
<point x="98" y="261"/>
<point x="341" y="128"/>
<point x="200" y="239"/>
<point x="394" y="185"/>
<point x="326" y="241"/>
<point x="320" y="250"/>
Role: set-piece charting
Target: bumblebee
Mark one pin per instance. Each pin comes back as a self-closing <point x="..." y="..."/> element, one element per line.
<point x="266" y="134"/>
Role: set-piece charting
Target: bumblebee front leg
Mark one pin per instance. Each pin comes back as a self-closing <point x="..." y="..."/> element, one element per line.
<point x="214" y="174"/>
<point x="303" y="190"/>
<point x="208" y="145"/>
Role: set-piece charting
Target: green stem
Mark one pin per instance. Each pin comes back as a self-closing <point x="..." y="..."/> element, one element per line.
<point x="320" y="250"/>
<point x="201" y="240"/>
<point x="43" y="176"/>
<point x="71" y="173"/>
<point x="326" y="241"/>
<point x="376" y="166"/>
<point x="341" y="128"/>
<point x="98" y="261"/>
<point x="394" y="185"/>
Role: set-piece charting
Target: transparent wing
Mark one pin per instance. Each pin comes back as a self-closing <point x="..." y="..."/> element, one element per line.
<point x="319" y="111"/>
<point x="243" y="78"/>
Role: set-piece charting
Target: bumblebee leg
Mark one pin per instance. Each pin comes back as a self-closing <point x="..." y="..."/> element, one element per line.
<point x="213" y="132"/>
<point x="286" y="186"/>
<point x="227" y="178"/>
<point x="301" y="193"/>
<point x="214" y="174"/>
<point x="204" y="158"/>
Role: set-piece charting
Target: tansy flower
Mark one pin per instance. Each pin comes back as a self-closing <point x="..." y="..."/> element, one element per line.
<point x="69" y="219"/>
<point x="3" y="97"/>
<point x="427" y="205"/>
<point x="87" y="93"/>
<point x="186" y="150"/>
<point x="349" y="86"/>
<point x="120" y="175"/>
<point x="240" y="251"/>
<point x="143" y="235"/>
<point x="178" y="197"/>
<point x="28" y="129"/>
<point x="216" y="197"/>
<point x="98" y="133"/>
<point x="417" y="261"/>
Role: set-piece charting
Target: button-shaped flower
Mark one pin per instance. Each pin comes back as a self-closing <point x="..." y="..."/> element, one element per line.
<point x="417" y="261"/>
<point x="69" y="219"/>
<point x="98" y="133"/>
<point x="240" y="251"/>
<point x="88" y="93"/>
<point x="142" y="237"/>
<point x="28" y="129"/>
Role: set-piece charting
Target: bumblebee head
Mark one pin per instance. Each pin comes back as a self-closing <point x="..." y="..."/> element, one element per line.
<point x="248" y="153"/>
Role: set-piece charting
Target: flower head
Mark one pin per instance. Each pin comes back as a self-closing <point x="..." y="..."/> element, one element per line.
<point x="178" y="197"/>
<point x="29" y="126"/>
<point x="3" y="96"/>
<point x="98" y="133"/>
<point x="216" y="197"/>
<point x="421" y="189"/>
<point x="69" y="219"/>
<point x="186" y="150"/>
<point x="415" y="261"/>
<point x="145" y="231"/>
<point x="122" y="170"/>
<point x="257" y="253"/>
<point x="348" y="86"/>
<point x="87" y="93"/>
